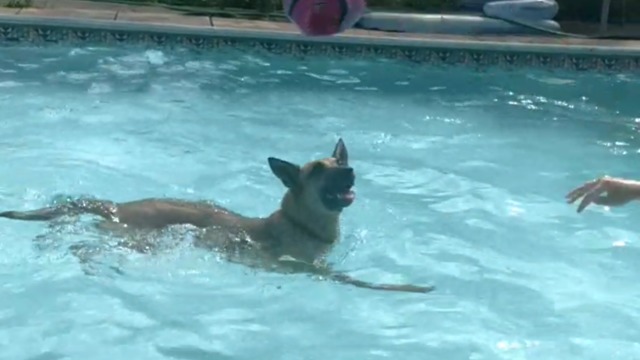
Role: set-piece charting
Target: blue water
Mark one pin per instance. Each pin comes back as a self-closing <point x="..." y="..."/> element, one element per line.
<point x="461" y="177"/>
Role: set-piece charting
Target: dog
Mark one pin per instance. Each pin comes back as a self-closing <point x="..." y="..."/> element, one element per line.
<point x="294" y="238"/>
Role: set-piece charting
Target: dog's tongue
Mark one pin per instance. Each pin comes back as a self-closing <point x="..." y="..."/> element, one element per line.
<point x="348" y="197"/>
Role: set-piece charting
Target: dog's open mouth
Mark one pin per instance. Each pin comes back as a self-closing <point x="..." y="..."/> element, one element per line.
<point x="337" y="191"/>
<point x="339" y="198"/>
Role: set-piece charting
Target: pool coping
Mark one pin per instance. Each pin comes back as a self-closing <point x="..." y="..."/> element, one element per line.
<point x="551" y="53"/>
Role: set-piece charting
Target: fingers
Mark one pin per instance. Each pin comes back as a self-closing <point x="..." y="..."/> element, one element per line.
<point x="592" y="196"/>
<point x="605" y="200"/>
<point x="617" y="192"/>
<point x="579" y="192"/>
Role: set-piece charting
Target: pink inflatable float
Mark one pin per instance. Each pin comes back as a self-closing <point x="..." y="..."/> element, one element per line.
<point x="324" y="17"/>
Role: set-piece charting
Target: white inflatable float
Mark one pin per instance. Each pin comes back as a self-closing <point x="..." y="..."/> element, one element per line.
<point x="522" y="9"/>
<point x="498" y="17"/>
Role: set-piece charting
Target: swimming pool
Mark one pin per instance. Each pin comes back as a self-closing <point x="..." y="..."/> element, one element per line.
<point x="460" y="182"/>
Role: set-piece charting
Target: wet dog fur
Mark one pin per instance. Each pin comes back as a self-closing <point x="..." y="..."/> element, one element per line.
<point x="294" y="238"/>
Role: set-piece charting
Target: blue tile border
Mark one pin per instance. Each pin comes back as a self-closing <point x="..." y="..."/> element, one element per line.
<point x="477" y="54"/>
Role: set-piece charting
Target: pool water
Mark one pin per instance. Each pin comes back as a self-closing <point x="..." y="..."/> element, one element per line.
<point x="461" y="177"/>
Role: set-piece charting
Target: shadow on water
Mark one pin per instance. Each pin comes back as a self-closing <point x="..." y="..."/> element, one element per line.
<point x="190" y="353"/>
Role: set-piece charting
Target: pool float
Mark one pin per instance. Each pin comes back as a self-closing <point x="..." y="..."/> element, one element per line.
<point x="324" y="17"/>
<point x="509" y="17"/>
<point x="450" y="24"/>
<point x="531" y="10"/>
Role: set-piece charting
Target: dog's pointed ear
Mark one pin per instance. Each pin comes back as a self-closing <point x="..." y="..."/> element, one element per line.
<point x="340" y="153"/>
<point x="287" y="172"/>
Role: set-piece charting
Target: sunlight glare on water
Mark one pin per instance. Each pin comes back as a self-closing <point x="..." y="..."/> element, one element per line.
<point x="461" y="177"/>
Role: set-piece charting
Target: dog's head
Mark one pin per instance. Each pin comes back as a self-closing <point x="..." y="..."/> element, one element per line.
<point x="323" y="185"/>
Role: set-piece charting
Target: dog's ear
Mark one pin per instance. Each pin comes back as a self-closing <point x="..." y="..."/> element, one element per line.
<point x="340" y="153"/>
<point x="287" y="172"/>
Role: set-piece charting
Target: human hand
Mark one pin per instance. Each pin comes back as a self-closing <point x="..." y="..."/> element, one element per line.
<point x="618" y="192"/>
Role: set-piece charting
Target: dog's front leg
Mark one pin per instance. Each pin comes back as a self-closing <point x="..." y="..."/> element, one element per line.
<point x="324" y="271"/>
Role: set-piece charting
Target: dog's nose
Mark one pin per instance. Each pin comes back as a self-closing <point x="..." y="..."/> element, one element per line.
<point x="347" y="172"/>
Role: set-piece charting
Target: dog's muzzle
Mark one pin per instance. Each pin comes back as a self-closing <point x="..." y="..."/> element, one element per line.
<point x="337" y="193"/>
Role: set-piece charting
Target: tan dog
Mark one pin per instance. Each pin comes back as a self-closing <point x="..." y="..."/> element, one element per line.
<point x="295" y="237"/>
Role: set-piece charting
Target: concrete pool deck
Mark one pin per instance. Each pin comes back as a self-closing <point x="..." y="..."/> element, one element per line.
<point x="159" y="16"/>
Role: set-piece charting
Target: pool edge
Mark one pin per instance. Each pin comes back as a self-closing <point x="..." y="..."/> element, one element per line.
<point x="419" y="49"/>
